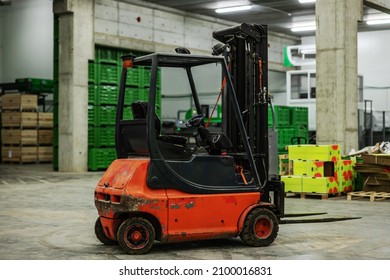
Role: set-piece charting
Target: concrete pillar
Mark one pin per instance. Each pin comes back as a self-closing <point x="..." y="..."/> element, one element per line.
<point x="336" y="72"/>
<point x="75" y="48"/>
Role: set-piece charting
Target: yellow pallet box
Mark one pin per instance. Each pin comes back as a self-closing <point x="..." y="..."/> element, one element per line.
<point x="300" y="167"/>
<point x="321" y="169"/>
<point x="323" y="185"/>
<point x="314" y="152"/>
<point x="313" y="168"/>
<point x="292" y="183"/>
<point x="345" y="176"/>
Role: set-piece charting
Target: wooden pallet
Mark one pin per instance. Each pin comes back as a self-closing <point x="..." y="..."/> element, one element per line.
<point x="374" y="196"/>
<point x="312" y="195"/>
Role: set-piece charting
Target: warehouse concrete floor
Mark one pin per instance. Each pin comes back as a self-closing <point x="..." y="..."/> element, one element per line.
<point x="50" y="215"/>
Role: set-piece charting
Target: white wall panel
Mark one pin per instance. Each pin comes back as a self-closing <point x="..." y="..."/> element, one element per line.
<point x="168" y="38"/>
<point x="106" y="26"/>
<point x="168" y="22"/>
<point x="130" y="17"/>
<point x="27" y="40"/>
<point x="108" y="12"/>
<point x="135" y="31"/>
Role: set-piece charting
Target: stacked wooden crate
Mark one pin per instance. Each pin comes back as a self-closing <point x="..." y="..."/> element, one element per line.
<point x="25" y="133"/>
<point x="45" y="136"/>
<point x="375" y="170"/>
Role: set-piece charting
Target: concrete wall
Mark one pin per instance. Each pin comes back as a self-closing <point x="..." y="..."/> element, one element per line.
<point x="155" y="28"/>
<point x="27" y="40"/>
<point x="374" y="65"/>
<point x="1" y="44"/>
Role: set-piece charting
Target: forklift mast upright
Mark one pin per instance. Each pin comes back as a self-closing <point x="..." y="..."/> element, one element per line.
<point x="246" y="52"/>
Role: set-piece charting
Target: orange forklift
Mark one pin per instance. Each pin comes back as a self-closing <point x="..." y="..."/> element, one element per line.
<point x="211" y="183"/>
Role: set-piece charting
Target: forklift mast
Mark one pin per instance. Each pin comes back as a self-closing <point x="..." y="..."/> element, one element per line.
<point x="246" y="53"/>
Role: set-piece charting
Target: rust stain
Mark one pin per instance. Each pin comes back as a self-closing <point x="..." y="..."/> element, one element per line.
<point x="190" y="205"/>
<point x="128" y="204"/>
<point x="175" y="206"/>
<point x="131" y="203"/>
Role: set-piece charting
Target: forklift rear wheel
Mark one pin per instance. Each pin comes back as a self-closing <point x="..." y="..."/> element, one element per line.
<point x="260" y="228"/>
<point x="136" y="236"/>
<point x="99" y="231"/>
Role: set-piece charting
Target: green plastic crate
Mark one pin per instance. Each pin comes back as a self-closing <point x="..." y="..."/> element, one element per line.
<point x="37" y="85"/>
<point x="133" y="76"/>
<point x="100" y="158"/>
<point x="92" y="94"/>
<point x="103" y="136"/>
<point x="284" y="137"/>
<point x="108" y="74"/>
<point x="106" y="55"/>
<point x="102" y="115"/>
<point x="145" y="74"/>
<point x="131" y="95"/>
<point x="299" y="115"/>
<point x="143" y="94"/>
<point x="106" y="115"/>
<point x="282" y="116"/>
<point x="92" y="72"/>
<point x="107" y="95"/>
<point x="303" y="132"/>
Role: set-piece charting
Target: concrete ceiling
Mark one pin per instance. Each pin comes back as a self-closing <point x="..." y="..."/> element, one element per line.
<point x="279" y="15"/>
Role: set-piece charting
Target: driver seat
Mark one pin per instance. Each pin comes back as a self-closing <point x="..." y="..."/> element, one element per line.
<point x="140" y="110"/>
<point x="217" y="141"/>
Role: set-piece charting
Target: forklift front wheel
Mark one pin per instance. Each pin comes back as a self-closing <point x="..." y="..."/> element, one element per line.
<point x="260" y="228"/>
<point x="99" y="231"/>
<point x="136" y="236"/>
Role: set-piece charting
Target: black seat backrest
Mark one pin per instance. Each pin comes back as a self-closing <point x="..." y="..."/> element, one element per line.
<point x="140" y="110"/>
<point x="133" y="138"/>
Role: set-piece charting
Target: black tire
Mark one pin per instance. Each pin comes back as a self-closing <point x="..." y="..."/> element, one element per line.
<point x="101" y="235"/>
<point x="136" y="236"/>
<point x="260" y="228"/>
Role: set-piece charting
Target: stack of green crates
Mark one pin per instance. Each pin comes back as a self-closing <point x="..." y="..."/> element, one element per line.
<point x="104" y="78"/>
<point x="290" y="122"/>
<point x="36" y="85"/>
<point x="300" y="122"/>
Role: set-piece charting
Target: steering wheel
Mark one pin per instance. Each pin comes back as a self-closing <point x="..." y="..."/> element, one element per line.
<point x="195" y="121"/>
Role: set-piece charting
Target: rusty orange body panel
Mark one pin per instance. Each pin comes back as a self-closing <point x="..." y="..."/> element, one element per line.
<point x="206" y="216"/>
<point x="122" y="192"/>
